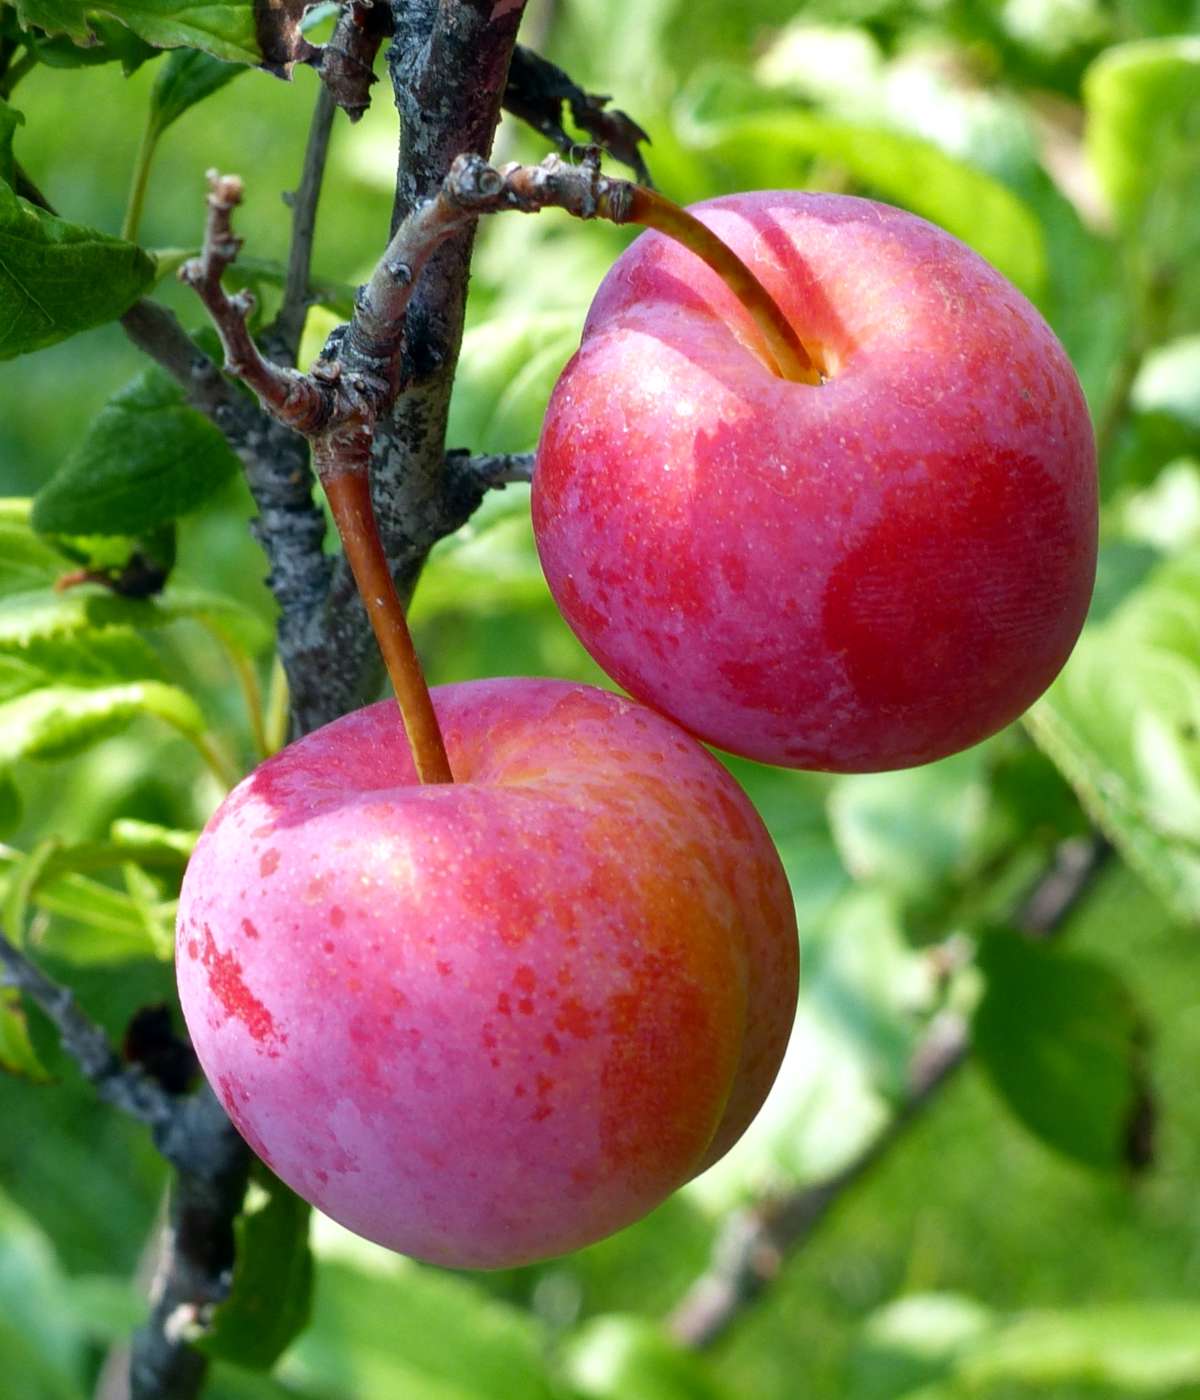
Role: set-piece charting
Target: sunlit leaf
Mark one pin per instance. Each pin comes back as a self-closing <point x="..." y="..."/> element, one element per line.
<point x="90" y="922"/>
<point x="237" y="30"/>
<point x="1140" y="1348"/>
<point x="911" y="830"/>
<point x="1143" y="105"/>
<point x="17" y="1055"/>
<point x="62" y="719"/>
<point x="26" y="617"/>
<point x="615" y="1357"/>
<point x="1123" y="725"/>
<point x="1169" y="381"/>
<point x="913" y="1341"/>
<point x="506" y="372"/>
<point x="22" y="880"/>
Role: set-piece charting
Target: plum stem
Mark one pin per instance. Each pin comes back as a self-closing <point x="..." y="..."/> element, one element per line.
<point x="349" y="496"/>
<point x="792" y="359"/>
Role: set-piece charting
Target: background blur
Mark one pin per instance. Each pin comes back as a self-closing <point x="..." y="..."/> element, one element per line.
<point x="1010" y="1242"/>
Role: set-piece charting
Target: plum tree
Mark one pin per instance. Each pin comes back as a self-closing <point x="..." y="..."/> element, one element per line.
<point x="493" y="1020"/>
<point x="868" y="573"/>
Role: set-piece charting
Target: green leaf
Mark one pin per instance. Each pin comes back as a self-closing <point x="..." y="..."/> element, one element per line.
<point x="912" y="830"/>
<point x="39" y="1342"/>
<point x="1122" y="724"/>
<point x="379" y="1328"/>
<point x="1165" y="516"/>
<point x="507" y="370"/>
<point x="148" y="842"/>
<point x="1169" y="382"/>
<point x="237" y="30"/>
<point x="17" y="1055"/>
<point x="1060" y="1039"/>
<point x="113" y="924"/>
<point x="81" y="659"/>
<point x="270" y="1301"/>
<point x="92" y="924"/>
<point x="910" y="1345"/>
<point x="1143" y="137"/>
<point x="913" y="1341"/>
<point x="26" y="617"/>
<point x="186" y="77"/>
<point x="22" y="881"/>
<point x="58" y="278"/>
<point x="10" y="119"/>
<point x="10" y="804"/>
<point x="26" y="562"/>
<point x="1143" y="131"/>
<point x="111" y="42"/>
<point x="147" y="458"/>
<point x="615" y="1357"/>
<point x="157" y="920"/>
<point x="59" y="720"/>
<point x="1144" y="1348"/>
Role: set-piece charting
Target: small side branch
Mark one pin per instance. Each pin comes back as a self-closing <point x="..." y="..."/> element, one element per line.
<point x="289" y="323"/>
<point x="355" y="381"/>
<point x="487" y="471"/>
<point x="288" y="396"/>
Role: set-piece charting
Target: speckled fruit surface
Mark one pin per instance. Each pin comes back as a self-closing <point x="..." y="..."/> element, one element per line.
<point x="866" y="574"/>
<point x="489" y="1022"/>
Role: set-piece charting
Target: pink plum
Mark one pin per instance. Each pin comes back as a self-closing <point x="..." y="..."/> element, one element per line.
<point x="864" y="574"/>
<point x="490" y="1021"/>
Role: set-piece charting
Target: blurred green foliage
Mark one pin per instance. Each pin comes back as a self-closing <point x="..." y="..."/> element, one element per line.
<point x="1004" y="1248"/>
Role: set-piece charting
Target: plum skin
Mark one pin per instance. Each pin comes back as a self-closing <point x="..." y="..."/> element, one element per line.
<point x="489" y="1022"/>
<point x="863" y="575"/>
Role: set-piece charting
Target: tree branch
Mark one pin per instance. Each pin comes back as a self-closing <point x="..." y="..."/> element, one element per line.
<point x="753" y="1244"/>
<point x="196" y="1265"/>
<point x="486" y="471"/>
<point x="448" y="61"/>
<point x="283" y="338"/>
<point x="126" y="1087"/>
<point x="535" y="92"/>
